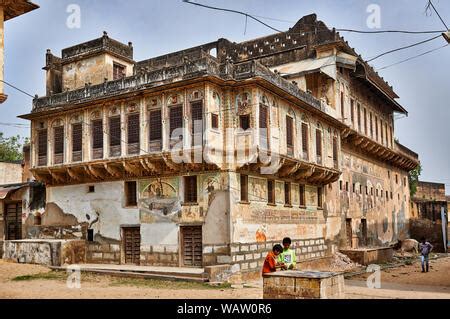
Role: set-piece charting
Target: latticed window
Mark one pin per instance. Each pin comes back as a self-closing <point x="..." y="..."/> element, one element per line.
<point x="59" y="140"/>
<point x="359" y="116"/>
<point x="270" y="192"/>
<point x="155" y="125"/>
<point x="352" y="110"/>
<point x="114" y="131"/>
<point x="97" y="134"/>
<point x="42" y="147"/>
<point x="77" y="141"/>
<point x="263" y="125"/>
<point x="190" y="189"/>
<point x="176" y="118"/>
<point x="197" y="123"/>
<point x="244" y="188"/>
<point x="131" y="193"/>
<point x="133" y="128"/>
<point x="133" y="133"/>
<point x="289" y="132"/>
<point x="319" y="143"/>
<point x="365" y="121"/>
<point x="305" y="140"/>
<point x="335" y="151"/>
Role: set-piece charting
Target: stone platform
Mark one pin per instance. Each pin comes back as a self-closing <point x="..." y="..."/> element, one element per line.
<point x="367" y="256"/>
<point x="303" y="285"/>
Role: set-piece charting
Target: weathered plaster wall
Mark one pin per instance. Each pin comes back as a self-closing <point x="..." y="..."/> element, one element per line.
<point x="92" y="70"/>
<point x="387" y="217"/>
<point x="107" y="202"/>
<point x="258" y="222"/>
<point x="10" y="173"/>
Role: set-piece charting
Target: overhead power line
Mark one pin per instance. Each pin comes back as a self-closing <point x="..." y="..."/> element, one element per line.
<point x="413" y="57"/>
<point x="254" y="17"/>
<point x="403" y="48"/>
<point x="16" y="88"/>
<point x="431" y="5"/>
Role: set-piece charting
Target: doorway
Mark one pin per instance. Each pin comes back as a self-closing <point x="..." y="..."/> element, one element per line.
<point x="13" y="221"/>
<point x="348" y="231"/>
<point x="191" y="245"/>
<point x="132" y="244"/>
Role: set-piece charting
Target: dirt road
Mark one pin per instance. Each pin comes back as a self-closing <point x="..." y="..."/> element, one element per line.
<point x="31" y="281"/>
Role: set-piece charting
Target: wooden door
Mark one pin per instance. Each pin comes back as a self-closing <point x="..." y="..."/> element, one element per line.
<point x="192" y="248"/>
<point x="132" y="244"/>
<point x="13" y="221"/>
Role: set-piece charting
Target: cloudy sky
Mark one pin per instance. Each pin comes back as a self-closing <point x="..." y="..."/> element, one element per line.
<point x="160" y="26"/>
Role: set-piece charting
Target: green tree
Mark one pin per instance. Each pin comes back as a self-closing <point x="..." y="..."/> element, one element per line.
<point x="413" y="178"/>
<point x="11" y="148"/>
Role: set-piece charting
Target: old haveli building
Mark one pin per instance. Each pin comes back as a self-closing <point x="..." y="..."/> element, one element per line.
<point x="210" y="155"/>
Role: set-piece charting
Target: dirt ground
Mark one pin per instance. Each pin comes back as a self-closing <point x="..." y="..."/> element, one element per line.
<point x="20" y="281"/>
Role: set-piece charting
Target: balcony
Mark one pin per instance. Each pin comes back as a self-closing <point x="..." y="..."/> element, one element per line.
<point x="400" y="156"/>
<point x="204" y="66"/>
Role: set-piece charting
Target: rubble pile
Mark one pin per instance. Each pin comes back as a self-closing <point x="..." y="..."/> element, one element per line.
<point x="341" y="262"/>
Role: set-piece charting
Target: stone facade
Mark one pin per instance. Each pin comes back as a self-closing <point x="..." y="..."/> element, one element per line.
<point x="262" y="155"/>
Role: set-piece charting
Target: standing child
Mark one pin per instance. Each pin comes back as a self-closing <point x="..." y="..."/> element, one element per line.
<point x="270" y="263"/>
<point x="425" y="249"/>
<point x="288" y="255"/>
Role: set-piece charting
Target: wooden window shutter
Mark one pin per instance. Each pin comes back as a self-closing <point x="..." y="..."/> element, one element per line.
<point x="263" y="116"/>
<point x="155" y="125"/>
<point x="176" y="118"/>
<point x="352" y="111"/>
<point x="270" y="192"/>
<point x="244" y="188"/>
<point x="335" y="151"/>
<point x="59" y="140"/>
<point x="318" y="143"/>
<point x="302" y="195"/>
<point x="77" y="137"/>
<point x="289" y="131"/>
<point x="114" y="131"/>
<point x="97" y="134"/>
<point x="133" y="128"/>
<point x="305" y="137"/>
<point x="42" y="143"/>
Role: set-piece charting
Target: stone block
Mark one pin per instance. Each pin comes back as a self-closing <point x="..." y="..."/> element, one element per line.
<point x="249" y="257"/>
<point x="115" y="247"/>
<point x="171" y="249"/>
<point x="239" y="257"/>
<point x="207" y="249"/>
<point x="253" y="265"/>
<point x="221" y="250"/>
<point x="158" y="249"/>
<point x="244" y="248"/>
<point x="253" y="247"/>
<point x="234" y="249"/>
<point x="244" y="266"/>
<point x="165" y="258"/>
<point x="109" y="256"/>
<point x="97" y="256"/>
<point x="223" y="259"/>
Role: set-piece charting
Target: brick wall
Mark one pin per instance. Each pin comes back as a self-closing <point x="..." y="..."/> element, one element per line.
<point x="159" y="255"/>
<point x="250" y="257"/>
<point x="102" y="253"/>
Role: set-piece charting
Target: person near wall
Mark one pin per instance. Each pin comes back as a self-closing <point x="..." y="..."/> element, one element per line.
<point x="271" y="263"/>
<point x="288" y="255"/>
<point x="425" y="249"/>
